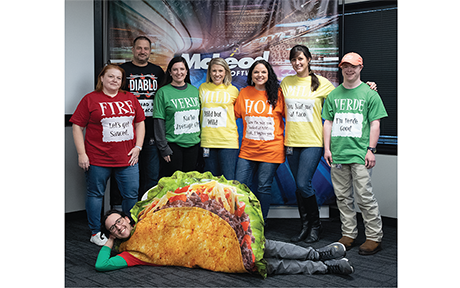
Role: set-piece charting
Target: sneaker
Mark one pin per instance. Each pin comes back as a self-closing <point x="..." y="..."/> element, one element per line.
<point x="348" y="242"/>
<point x="98" y="239"/>
<point x="340" y="266"/>
<point x="370" y="247"/>
<point x="335" y="250"/>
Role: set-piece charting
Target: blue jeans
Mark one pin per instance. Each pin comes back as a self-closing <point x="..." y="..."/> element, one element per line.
<point x="149" y="167"/>
<point x="221" y="161"/>
<point x="245" y="171"/>
<point x="303" y="163"/>
<point x="149" y="173"/>
<point x="96" y="181"/>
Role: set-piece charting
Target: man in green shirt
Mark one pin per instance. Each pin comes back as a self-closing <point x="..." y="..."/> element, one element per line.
<point x="352" y="114"/>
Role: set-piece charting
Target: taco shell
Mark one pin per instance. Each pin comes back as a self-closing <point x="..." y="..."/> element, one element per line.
<point x="186" y="236"/>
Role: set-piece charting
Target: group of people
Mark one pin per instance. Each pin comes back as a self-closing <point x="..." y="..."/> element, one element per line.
<point x="140" y="118"/>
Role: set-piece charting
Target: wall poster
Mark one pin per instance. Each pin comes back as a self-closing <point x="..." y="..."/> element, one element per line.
<point x="240" y="31"/>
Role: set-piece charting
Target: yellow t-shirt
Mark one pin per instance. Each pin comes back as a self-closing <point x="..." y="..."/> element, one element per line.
<point x="218" y="124"/>
<point x="303" y="110"/>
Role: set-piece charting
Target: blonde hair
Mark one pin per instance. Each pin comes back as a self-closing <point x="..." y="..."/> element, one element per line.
<point x="228" y="74"/>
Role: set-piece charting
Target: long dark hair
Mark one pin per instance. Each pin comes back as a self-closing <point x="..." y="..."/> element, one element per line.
<point x="303" y="49"/>
<point x="271" y="86"/>
<point x="168" y="77"/>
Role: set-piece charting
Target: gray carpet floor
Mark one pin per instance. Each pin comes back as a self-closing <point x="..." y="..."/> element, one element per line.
<point x="379" y="270"/>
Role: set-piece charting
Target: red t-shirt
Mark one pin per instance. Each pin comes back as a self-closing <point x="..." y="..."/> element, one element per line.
<point x="263" y="126"/>
<point x="133" y="261"/>
<point x="109" y="122"/>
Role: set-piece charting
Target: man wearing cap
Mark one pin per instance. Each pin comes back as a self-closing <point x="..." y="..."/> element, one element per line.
<point x="352" y="114"/>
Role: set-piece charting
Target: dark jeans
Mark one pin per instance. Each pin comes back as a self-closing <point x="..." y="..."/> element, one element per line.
<point x="149" y="167"/>
<point x="127" y="179"/>
<point x="303" y="163"/>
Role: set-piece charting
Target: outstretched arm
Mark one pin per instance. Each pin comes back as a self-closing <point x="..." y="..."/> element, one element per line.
<point x="106" y="263"/>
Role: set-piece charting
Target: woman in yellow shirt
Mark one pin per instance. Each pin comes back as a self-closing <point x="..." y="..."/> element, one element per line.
<point x="304" y="94"/>
<point x="219" y="132"/>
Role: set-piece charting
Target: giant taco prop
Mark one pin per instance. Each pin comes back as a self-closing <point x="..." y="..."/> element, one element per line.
<point x="198" y="220"/>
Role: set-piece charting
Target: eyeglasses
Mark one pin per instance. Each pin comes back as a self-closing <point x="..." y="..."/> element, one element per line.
<point x="118" y="222"/>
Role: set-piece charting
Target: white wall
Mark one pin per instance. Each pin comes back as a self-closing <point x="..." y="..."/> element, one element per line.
<point x="385" y="184"/>
<point x="79" y="52"/>
<point x="79" y="80"/>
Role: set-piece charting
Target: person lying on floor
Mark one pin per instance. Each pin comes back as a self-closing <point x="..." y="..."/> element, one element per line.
<point x="281" y="257"/>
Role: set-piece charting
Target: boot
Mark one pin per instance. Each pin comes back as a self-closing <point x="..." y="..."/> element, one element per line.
<point x="370" y="247"/>
<point x="313" y="219"/>
<point x="305" y="228"/>
<point x="347" y="241"/>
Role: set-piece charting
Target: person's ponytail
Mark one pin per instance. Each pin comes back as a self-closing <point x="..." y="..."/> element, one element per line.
<point x="314" y="80"/>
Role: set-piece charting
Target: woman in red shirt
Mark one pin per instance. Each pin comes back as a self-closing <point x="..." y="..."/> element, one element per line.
<point x="114" y="124"/>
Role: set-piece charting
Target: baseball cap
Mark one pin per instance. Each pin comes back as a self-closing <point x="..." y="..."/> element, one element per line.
<point x="352" y="58"/>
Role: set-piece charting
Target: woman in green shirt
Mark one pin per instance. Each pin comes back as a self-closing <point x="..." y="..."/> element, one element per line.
<point x="176" y="119"/>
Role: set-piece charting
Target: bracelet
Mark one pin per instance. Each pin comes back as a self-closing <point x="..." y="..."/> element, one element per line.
<point x="140" y="148"/>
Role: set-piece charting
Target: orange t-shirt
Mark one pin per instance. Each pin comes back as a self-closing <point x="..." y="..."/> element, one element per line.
<point x="263" y="126"/>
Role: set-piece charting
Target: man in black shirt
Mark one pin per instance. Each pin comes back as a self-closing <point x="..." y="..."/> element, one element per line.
<point x="143" y="79"/>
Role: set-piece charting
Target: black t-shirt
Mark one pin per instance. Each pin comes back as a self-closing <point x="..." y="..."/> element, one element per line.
<point x="143" y="82"/>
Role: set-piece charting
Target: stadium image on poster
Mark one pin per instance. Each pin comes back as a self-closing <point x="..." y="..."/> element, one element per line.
<point x="239" y="31"/>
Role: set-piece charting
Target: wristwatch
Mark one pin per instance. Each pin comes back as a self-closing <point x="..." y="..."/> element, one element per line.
<point x="373" y="150"/>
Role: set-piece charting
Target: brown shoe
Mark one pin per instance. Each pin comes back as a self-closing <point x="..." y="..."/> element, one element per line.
<point x="347" y="242"/>
<point x="370" y="247"/>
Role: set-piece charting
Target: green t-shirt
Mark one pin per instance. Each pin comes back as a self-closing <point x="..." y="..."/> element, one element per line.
<point x="181" y="111"/>
<point x="106" y="263"/>
<point x="351" y="112"/>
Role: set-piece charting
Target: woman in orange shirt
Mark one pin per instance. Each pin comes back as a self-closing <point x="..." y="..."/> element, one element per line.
<point x="261" y="107"/>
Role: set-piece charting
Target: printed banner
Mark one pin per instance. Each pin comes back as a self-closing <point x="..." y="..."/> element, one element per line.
<point x="240" y="31"/>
